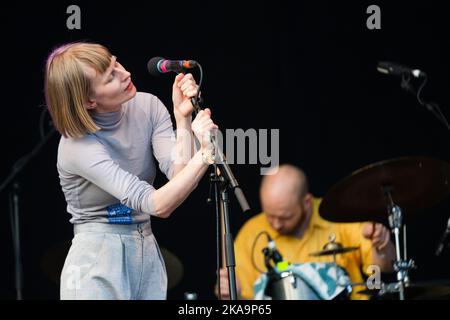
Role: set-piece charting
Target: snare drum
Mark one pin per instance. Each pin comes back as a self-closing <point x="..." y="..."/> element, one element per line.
<point x="289" y="286"/>
<point x="308" y="281"/>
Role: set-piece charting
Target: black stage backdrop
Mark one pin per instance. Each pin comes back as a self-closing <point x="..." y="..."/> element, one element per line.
<point x="307" y="69"/>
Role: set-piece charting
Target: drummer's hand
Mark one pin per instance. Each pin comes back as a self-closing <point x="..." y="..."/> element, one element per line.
<point x="224" y="288"/>
<point x="378" y="234"/>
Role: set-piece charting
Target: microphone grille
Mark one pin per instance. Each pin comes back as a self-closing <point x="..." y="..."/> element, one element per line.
<point x="384" y="67"/>
<point x="152" y="66"/>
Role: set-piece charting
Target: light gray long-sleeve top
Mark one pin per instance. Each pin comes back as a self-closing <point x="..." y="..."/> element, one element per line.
<point x="107" y="176"/>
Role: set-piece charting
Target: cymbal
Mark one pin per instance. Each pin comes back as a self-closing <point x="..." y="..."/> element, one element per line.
<point x="174" y="268"/>
<point x="333" y="251"/>
<point x="417" y="291"/>
<point x="332" y="248"/>
<point x="414" y="183"/>
<point x="53" y="261"/>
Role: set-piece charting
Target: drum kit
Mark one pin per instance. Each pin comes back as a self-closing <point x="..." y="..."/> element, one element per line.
<point x="385" y="192"/>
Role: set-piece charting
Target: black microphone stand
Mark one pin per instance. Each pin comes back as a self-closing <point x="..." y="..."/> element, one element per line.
<point x="14" y="208"/>
<point x="430" y="106"/>
<point x="223" y="180"/>
<point x="444" y="239"/>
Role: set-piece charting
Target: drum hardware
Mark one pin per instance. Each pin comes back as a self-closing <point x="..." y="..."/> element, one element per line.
<point x="401" y="265"/>
<point x="289" y="285"/>
<point x="285" y="283"/>
<point x="333" y="248"/>
<point x="416" y="291"/>
<point x="398" y="185"/>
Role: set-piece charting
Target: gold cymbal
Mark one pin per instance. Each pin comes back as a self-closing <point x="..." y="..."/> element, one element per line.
<point x="333" y="251"/>
<point x="332" y="248"/>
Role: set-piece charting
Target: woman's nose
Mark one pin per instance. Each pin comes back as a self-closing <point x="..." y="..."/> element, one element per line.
<point x="124" y="74"/>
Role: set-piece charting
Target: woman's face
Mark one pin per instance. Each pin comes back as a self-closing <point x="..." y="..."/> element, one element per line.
<point x="111" y="88"/>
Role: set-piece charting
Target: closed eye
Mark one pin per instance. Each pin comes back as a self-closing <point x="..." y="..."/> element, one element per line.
<point x="111" y="76"/>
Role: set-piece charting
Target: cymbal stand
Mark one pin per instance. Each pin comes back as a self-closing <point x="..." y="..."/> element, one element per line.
<point x="401" y="265"/>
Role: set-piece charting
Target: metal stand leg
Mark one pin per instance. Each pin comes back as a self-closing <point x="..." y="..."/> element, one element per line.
<point x="401" y="265"/>
<point x="15" y="229"/>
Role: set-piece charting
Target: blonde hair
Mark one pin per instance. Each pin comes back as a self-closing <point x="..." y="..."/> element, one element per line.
<point x="67" y="87"/>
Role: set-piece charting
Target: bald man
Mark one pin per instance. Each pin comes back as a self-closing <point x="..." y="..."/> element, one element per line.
<point x="290" y="216"/>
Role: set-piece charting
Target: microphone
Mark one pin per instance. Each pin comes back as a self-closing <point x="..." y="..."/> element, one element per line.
<point x="276" y="255"/>
<point x="158" y="65"/>
<point x="443" y="241"/>
<point x="395" y="69"/>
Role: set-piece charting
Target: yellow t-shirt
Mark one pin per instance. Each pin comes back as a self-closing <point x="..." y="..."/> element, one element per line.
<point x="297" y="250"/>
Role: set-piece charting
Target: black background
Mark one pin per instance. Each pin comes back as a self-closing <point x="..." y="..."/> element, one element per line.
<point x="307" y="69"/>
